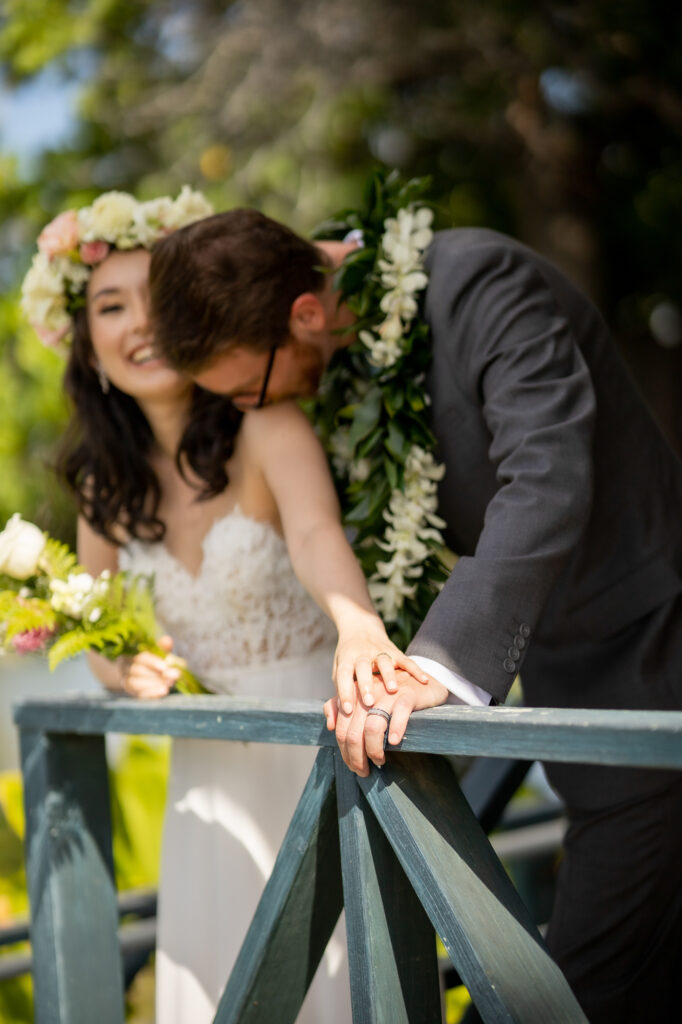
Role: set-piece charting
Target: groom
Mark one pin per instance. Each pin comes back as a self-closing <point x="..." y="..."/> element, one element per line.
<point x="565" y="504"/>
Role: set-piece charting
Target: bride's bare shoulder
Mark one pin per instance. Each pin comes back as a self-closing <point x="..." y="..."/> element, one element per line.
<point x="261" y="425"/>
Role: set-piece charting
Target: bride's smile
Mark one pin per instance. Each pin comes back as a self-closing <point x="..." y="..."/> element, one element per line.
<point x="118" y="317"/>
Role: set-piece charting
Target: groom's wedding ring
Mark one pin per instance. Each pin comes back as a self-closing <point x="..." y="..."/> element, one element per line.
<point x="379" y="711"/>
<point x="384" y="714"/>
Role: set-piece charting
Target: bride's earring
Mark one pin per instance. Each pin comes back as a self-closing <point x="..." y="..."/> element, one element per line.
<point x="104" y="381"/>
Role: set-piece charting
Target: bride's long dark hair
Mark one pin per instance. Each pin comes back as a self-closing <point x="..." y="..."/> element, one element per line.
<point x="103" y="457"/>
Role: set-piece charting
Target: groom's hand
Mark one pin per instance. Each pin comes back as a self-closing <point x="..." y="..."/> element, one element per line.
<point x="360" y="735"/>
<point x="364" y="657"/>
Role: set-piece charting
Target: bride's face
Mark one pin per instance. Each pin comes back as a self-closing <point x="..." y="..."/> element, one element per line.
<point x="118" y="320"/>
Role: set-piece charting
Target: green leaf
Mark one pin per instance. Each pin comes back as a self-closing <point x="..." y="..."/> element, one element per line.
<point x="366" y="417"/>
<point x="396" y="443"/>
<point x="393" y="400"/>
<point x="391" y="471"/>
<point x="359" y="512"/>
<point x="369" y="443"/>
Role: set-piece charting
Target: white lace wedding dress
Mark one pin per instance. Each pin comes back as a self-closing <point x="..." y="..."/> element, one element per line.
<point x="247" y="627"/>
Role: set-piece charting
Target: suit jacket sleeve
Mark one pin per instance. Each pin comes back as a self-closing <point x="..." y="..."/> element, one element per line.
<point x="510" y="350"/>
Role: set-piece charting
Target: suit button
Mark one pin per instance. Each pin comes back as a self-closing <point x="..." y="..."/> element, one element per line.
<point x="519" y="641"/>
<point x="514" y="653"/>
<point x="509" y="665"/>
<point x="524" y="630"/>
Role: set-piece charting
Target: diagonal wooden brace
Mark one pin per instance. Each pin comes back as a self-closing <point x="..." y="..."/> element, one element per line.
<point x="296" y="914"/>
<point x="488" y="933"/>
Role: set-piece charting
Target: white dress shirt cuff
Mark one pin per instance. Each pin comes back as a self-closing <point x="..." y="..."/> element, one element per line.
<point x="461" y="690"/>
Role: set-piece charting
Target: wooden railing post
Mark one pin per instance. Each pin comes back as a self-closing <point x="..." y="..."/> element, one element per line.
<point x="76" y="955"/>
<point x="391" y="943"/>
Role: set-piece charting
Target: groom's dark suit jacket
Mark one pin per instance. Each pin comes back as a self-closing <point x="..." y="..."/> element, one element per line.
<point x="561" y="495"/>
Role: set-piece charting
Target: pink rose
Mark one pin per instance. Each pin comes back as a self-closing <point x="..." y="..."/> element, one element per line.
<point x="60" y="235"/>
<point x="51" y="338"/>
<point x="31" y="640"/>
<point x="94" y="252"/>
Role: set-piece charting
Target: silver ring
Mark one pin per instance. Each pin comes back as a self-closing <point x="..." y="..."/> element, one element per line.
<point x="383" y="654"/>
<point x="379" y="711"/>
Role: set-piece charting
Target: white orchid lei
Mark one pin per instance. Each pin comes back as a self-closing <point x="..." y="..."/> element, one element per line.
<point x="71" y="245"/>
<point x="371" y="410"/>
<point x="50" y="605"/>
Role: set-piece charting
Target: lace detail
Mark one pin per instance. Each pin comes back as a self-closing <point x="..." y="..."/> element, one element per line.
<point x="244" y="607"/>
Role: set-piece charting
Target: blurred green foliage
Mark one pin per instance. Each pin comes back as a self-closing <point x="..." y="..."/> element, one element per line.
<point x="559" y="123"/>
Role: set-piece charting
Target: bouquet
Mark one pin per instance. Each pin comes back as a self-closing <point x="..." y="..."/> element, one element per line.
<point x="52" y="605"/>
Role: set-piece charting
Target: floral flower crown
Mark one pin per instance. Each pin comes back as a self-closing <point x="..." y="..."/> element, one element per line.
<point x="77" y="240"/>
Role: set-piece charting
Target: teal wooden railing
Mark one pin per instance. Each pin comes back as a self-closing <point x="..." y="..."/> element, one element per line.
<point x="402" y="851"/>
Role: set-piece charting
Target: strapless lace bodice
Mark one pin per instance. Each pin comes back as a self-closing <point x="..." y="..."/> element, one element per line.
<point x="244" y="607"/>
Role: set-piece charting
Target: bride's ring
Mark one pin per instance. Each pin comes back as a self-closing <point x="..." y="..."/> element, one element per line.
<point x="382" y="654"/>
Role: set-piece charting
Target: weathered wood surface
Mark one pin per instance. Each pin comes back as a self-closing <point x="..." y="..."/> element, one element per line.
<point x="637" y="738"/>
<point x="296" y="915"/>
<point x="488" y="933"/>
<point x="78" y="975"/>
<point x="391" y="943"/>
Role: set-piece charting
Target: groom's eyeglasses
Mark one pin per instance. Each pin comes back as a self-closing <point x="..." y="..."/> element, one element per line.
<point x="266" y="378"/>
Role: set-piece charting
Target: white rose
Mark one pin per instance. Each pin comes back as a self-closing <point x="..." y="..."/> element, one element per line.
<point x="156" y="211"/>
<point x="109" y="218"/>
<point x="188" y="207"/>
<point x="41" y="289"/>
<point x="77" y="274"/>
<point x="21" y="545"/>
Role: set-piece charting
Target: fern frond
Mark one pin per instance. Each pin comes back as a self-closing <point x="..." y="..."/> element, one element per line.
<point x="139" y="605"/>
<point x="116" y="592"/>
<point x="8" y="600"/>
<point x="113" y="639"/>
<point x="58" y="560"/>
<point x="68" y="646"/>
<point x="32" y="613"/>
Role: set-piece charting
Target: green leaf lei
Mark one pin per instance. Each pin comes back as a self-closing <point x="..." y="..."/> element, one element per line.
<point x="371" y="411"/>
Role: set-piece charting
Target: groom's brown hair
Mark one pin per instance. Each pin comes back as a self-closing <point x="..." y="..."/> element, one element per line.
<point x="228" y="280"/>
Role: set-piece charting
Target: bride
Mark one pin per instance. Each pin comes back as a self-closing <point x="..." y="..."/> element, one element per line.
<point x="235" y="516"/>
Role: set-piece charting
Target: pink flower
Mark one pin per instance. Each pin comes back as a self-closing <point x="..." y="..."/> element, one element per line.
<point x="31" y="640"/>
<point x="60" y="235"/>
<point x="94" y="252"/>
<point x="51" y="338"/>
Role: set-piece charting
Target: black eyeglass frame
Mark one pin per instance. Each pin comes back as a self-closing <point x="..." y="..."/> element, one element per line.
<point x="266" y="378"/>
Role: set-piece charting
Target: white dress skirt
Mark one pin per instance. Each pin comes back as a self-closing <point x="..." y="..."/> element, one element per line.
<point x="247" y="628"/>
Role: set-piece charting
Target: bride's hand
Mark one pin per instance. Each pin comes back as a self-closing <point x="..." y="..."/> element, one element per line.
<point x="365" y="656"/>
<point x="149" y="676"/>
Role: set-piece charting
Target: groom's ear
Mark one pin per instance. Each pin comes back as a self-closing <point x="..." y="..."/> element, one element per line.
<point x="307" y="316"/>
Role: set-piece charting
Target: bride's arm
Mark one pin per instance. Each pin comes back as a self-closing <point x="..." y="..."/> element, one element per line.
<point x="282" y="442"/>
<point x="145" y="675"/>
